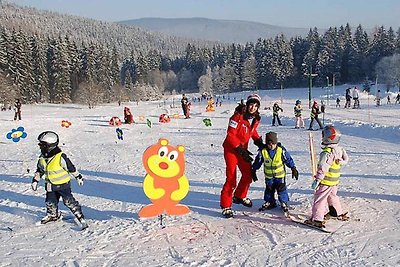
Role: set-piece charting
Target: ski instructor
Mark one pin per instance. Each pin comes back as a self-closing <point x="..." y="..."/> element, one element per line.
<point x="242" y="126"/>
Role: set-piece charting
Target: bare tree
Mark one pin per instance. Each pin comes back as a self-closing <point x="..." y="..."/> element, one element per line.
<point x="89" y="93"/>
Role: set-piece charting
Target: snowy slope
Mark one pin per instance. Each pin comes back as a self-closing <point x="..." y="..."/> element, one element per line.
<point x="112" y="194"/>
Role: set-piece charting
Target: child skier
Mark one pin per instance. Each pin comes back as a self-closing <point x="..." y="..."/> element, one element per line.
<point x="298" y="109"/>
<point x="314" y="116"/>
<point x="326" y="181"/>
<point x="57" y="168"/>
<point x="274" y="157"/>
<point x="128" y="117"/>
<point x="275" y="114"/>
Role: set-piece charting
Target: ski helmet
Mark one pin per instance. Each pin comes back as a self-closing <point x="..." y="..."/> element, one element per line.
<point x="48" y="140"/>
<point x="330" y="135"/>
<point x="298" y="101"/>
<point x="253" y="98"/>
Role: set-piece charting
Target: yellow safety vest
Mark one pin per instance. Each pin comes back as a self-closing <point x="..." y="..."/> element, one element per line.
<point x="332" y="176"/>
<point x="55" y="173"/>
<point x="273" y="168"/>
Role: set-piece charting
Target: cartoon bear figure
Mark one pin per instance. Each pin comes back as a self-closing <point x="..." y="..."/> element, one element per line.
<point x="165" y="183"/>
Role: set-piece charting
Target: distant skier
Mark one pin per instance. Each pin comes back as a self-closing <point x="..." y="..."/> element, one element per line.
<point x="17" y="109"/>
<point x="388" y="100"/>
<point x="188" y="109"/>
<point x="57" y="169"/>
<point x="356" y="96"/>
<point x="128" y="117"/>
<point x="378" y="98"/>
<point x="184" y="102"/>
<point x="338" y="102"/>
<point x="326" y="181"/>
<point x="274" y="157"/>
<point x="314" y="116"/>
<point x="298" y="109"/>
<point x="397" y="99"/>
<point x="275" y="114"/>
<point x="242" y="126"/>
<point x="348" y="98"/>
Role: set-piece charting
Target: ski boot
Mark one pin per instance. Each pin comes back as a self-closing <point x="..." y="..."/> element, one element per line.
<point x="244" y="201"/>
<point x="227" y="212"/>
<point x="267" y="206"/>
<point x="343" y="217"/>
<point x="50" y="218"/>
<point x="285" y="207"/>
<point x="82" y="222"/>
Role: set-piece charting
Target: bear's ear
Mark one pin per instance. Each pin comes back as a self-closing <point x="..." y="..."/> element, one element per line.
<point x="181" y="148"/>
<point x="163" y="141"/>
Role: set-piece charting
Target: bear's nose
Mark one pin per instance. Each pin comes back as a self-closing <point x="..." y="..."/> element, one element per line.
<point x="163" y="165"/>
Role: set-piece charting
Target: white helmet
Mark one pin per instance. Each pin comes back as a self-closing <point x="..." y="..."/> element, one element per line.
<point x="253" y="98"/>
<point x="48" y="140"/>
<point x="330" y="135"/>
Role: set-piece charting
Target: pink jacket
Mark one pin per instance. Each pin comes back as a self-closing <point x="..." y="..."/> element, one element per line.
<point x="338" y="154"/>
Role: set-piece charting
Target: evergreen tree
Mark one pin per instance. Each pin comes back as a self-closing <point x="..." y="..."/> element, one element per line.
<point x="282" y="60"/>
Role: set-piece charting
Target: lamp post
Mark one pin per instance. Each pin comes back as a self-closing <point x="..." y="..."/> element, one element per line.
<point x="310" y="75"/>
<point x="327" y="90"/>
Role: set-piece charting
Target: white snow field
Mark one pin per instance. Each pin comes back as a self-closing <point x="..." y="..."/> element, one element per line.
<point x="112" y="193"/>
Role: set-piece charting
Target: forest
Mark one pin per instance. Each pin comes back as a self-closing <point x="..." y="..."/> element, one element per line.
<point x="56" y="58"/>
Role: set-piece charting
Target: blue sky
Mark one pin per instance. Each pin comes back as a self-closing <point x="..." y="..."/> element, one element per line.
<point x="290" y="13"/>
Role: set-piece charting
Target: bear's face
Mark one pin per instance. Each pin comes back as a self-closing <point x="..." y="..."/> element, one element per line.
<point x="164" y="160"/>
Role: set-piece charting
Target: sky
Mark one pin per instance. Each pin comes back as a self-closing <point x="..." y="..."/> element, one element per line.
<point x="288" y="13"/>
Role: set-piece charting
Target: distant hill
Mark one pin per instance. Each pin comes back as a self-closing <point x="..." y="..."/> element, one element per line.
<point x="127" y="39"/>
<point x="227" y="31"/>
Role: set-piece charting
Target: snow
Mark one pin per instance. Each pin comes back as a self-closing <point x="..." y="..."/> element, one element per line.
<point x="112" y="194"/>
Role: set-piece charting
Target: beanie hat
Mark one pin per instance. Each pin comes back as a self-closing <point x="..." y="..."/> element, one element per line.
<point x="271" y="137"/>
<point x="254" y="98"/>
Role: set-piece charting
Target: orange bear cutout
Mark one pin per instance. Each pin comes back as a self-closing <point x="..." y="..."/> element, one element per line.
<point x="165" y="183"/>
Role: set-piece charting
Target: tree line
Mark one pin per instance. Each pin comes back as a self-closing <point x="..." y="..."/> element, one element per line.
<point x="59" y="68"/>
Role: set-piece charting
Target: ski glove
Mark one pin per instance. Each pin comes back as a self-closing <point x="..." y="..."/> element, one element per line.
<point x="254" y="176"/>
<point x="315" y="184"/>
<point x="244" y="153"/>
<point x="259" y="143"/>
<point x="34" y="185"/>
<point x="79" y="179"/>
<point x="295" y="173"/>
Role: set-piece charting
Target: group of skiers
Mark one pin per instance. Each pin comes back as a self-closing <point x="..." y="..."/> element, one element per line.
<point x="298" y="114"/>
<point x="274" y="157"/>
<point x="58" y="169"/>
<point x="351" y="93"/>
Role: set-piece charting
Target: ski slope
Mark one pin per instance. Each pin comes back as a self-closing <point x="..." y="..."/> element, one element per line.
<point x="112" y="194"/>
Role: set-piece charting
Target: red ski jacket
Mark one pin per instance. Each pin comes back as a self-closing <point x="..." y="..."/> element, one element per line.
<point x="239" y="131"/>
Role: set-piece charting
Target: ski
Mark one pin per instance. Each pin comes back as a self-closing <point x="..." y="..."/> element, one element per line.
<point x="301" y="220"/>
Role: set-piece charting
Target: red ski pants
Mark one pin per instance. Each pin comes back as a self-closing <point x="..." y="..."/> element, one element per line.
<point x="233" y="160"/>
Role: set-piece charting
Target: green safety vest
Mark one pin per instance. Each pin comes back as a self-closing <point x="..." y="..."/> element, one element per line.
<point x="273" y="168"/>
<point x="55" y="173"/>
<point x="332" y="176"/>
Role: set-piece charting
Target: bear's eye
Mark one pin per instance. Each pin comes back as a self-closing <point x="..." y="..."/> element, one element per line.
<point x="173" y="155"/>
<point x="163" y="151"/>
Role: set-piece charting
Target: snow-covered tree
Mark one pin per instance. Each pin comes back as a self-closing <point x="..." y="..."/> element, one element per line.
<point x="205" y="82"/>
